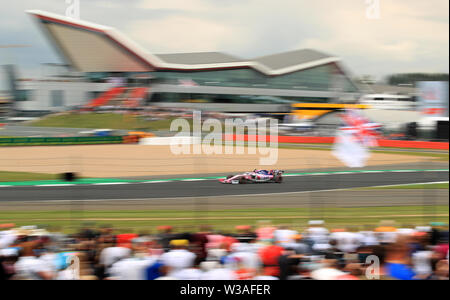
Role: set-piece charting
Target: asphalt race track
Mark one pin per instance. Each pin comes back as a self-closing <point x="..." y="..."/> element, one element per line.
<point x="135" y="191"/>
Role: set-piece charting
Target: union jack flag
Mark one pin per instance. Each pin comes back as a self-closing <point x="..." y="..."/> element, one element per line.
<point x="362" y="130"/>
<point x="354" y="139"/>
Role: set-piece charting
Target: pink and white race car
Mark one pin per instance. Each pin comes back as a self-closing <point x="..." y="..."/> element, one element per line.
<point x="257" y="176"/>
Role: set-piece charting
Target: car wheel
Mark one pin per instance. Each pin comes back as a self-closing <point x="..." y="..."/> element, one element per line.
<point x="279" y="179"/>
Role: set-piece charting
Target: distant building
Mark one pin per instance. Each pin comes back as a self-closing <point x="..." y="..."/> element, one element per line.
<point x="390" y="97"/>
<point x="5" y="102"/>
<point x="38" y="97"/>
<point x="394" y="89"/>
<point x="208" y="80"/>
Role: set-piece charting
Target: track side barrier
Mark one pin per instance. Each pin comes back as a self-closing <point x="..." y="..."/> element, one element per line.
<point x="413" y="144"/>
<point x="51" y="141"/>
<point x="330" y="140"/>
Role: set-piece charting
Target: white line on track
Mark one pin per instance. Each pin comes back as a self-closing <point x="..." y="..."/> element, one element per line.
<point x="57" y="185"/>
<point x="241" y="195"/>
<point x="407" y="184"/>
<point x="199" y="179"/>
<point x="158" y="181"/>
<point x="343" y="173"/>
<point x="111" y="183"/>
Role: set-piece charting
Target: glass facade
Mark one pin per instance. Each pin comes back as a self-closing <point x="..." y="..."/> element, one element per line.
<point x="325" y="78"/>
<point x="315" y="79"/>
<point x="220" y="98"/>
<point x="23" y="95"/>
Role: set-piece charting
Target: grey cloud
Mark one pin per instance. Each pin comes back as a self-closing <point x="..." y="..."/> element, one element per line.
<point x="258" y="27"/>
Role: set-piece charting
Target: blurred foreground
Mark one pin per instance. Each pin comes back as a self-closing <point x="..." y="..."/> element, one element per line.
<point x="266" y="253"/>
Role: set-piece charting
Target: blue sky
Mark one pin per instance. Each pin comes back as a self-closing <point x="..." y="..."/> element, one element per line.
<point x="409" y="36"/>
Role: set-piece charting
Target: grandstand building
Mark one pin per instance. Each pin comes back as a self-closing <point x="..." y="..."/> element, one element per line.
<point x="210" y="80"/>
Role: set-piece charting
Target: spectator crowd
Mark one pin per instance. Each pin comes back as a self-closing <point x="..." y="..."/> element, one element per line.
<point x="264" y="253"/>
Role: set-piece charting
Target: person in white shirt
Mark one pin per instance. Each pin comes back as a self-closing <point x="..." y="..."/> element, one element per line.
<point x="31" y="268"/>
<point x="130" y="268"/>
<point x="49" y="260"/>
<point x="283" y="235"/>
<point x="319" y="235"/>
<point x="265" y="278"/>
<point x="368" y="238"/>
<point x="7" y="238"/>
<point x="178" y="258"/>
<point x="422" y="262"/>
<point x="189" y="274"/>
<point x="111" y="255"/>
<point x="347" y="241"/>
<point x="246" y="255"/>
<point x="219" y="274"/>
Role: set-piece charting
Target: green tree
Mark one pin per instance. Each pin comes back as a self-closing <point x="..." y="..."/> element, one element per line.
<point x="412" y="78"/>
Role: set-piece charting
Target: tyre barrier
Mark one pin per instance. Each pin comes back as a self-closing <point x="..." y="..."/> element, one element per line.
<point x="69" y="176"/>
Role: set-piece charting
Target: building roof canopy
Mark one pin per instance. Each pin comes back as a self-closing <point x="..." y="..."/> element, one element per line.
<point x="91" y="47"/>
<point x="198" y="58"/>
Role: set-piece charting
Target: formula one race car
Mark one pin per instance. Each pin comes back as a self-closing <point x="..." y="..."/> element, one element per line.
<point x="257" y="176"/>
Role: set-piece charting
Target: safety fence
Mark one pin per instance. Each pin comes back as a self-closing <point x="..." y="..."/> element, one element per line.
<point x="51" y="141"/>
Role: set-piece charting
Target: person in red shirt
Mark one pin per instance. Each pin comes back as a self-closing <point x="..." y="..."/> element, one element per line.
<point x="227" y="241"/>
<point x="269" y="256"/>
<point x="124" y="239"/>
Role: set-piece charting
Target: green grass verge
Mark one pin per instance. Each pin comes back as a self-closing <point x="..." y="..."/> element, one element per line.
<point x="102" y="120"/>
<point x="413" y="187"/>
<point x="438" y="156"/>
<point x="25" y="176"/>
<point x="139" y="220"/>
